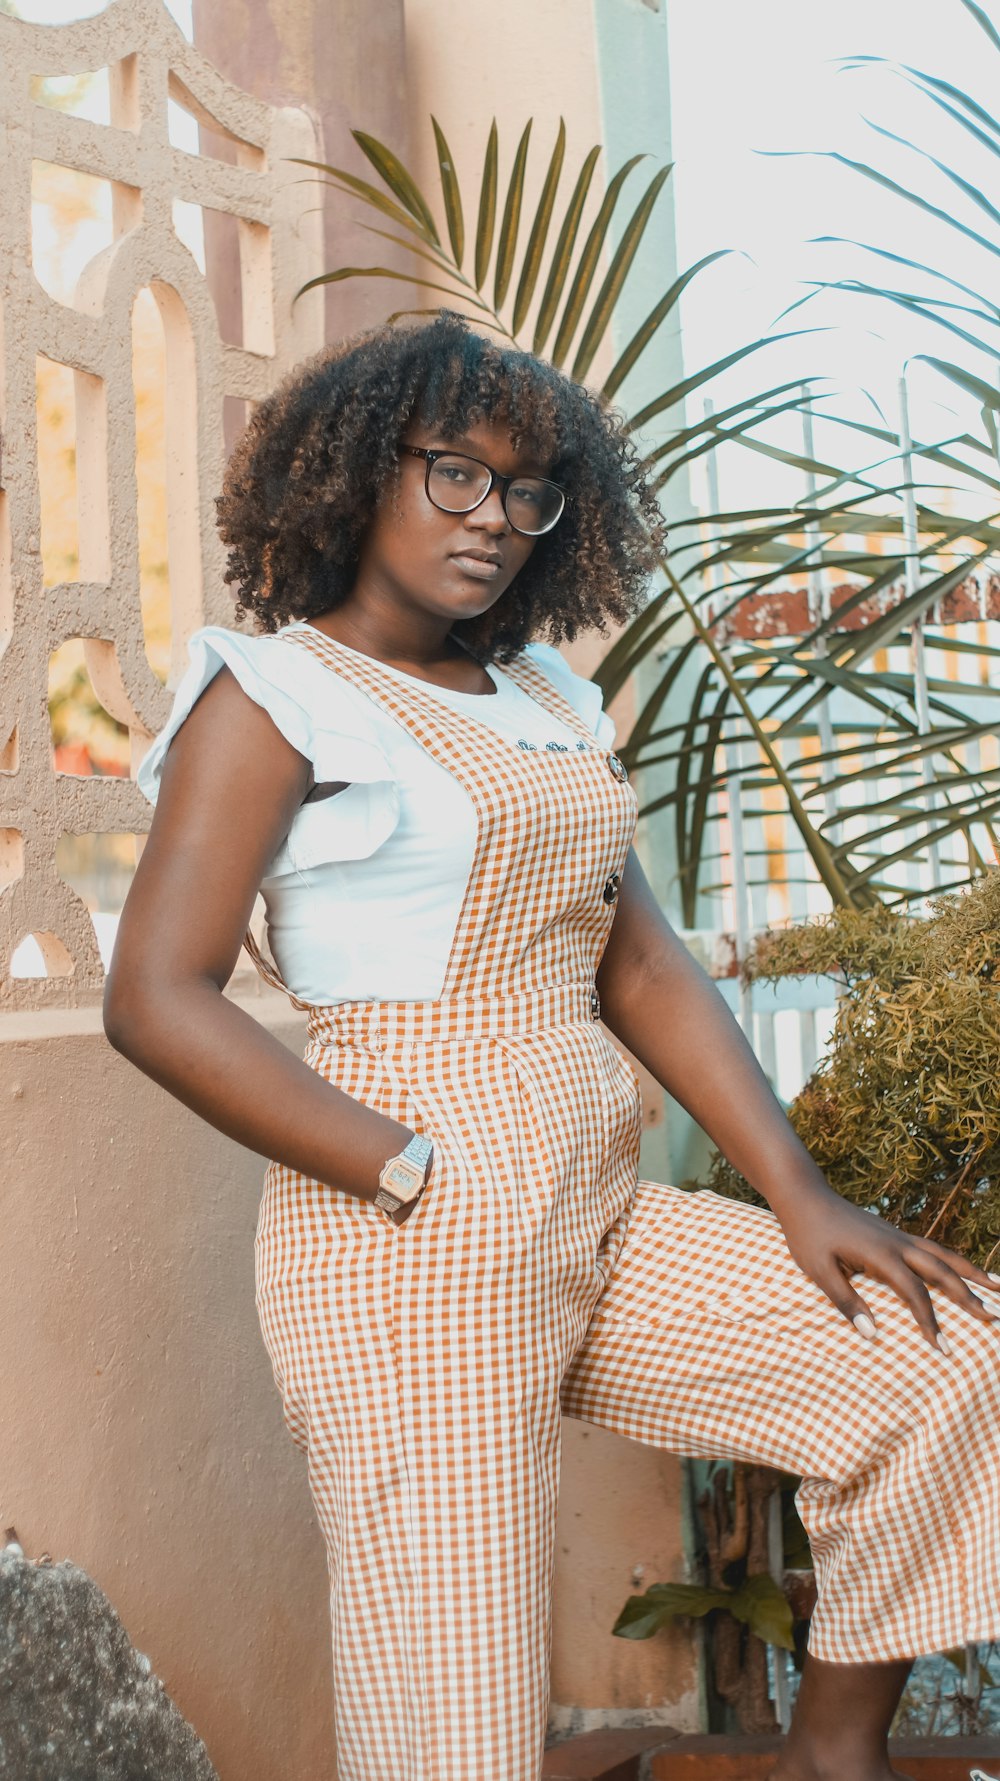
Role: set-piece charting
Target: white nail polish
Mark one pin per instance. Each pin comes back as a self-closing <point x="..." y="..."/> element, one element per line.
<point x="942" y="1342"/>
<point x="995" y="1278"/>
<point x="863" y="1324"/>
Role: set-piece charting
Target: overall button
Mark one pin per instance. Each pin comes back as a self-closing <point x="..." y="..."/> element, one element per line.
<point x="612" y="887"/>
<point x="595" y="1003"/>
<point x="618" y="768"/>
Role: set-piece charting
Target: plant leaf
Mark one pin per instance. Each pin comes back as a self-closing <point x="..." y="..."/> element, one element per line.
<point x="901" y="260"/>
<point x="402" y="185"/>
<point x="711" y="425"/>
<point x="914" y="198"/>
<point x="654" y="321"/>
<point x="487" y="208"/>
<point x="960" y="117"/>
<point x="587" y="264"/>
<point x="765" y="1609"/>
<point x="361" y="188"/>
<point x="343" y="272"/>
<point x="431" y="255"/>
<point x="450" y="193"/>
<point x="965" y="186"/>
<point x="482" y="321"/>
<point x="618" y="271"/>
<point x="986" y="393"/>
<point x="960" y="98"/>
<point x="758" y="1603"/>
<point x="982" y="19"/>
<point x="539" y="231"/>
<point x="563" y="252"/>
<point x="644" y="1615"/>
<point x="677" y="393"/>
<point x="510" y="222"/>
<point x="738" y="434"/>
<point x="916" y="304"/>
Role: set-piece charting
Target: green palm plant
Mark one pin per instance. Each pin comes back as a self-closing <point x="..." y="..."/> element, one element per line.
<point x="749" y="552"/>
<point x="551" y="282"/>
<point x="570" y="315"/>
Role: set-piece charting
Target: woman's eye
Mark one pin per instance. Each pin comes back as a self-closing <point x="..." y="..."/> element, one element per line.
<point x="452" y="472"/>
<point x="526" y="492"/>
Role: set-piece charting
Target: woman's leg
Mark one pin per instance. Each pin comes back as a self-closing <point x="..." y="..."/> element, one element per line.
<point x="412" y="1376"/>
<point x="842" y="1717"/>
<point x="710" y="1341"/>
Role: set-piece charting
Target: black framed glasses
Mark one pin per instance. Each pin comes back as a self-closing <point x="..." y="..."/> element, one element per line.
<point x="459" y="484"/>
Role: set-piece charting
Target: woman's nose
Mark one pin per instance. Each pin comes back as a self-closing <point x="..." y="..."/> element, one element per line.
<point x="489" y="515"/>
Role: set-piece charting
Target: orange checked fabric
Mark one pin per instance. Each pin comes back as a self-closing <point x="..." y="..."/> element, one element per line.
<point x="424" y="1368"/>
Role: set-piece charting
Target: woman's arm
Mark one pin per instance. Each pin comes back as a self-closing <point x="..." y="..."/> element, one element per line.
<point x="669" y="1014"/>
<point x="230" y="786"/>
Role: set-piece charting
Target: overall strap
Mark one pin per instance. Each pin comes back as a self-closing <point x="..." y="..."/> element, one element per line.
<point x="270" y="972"/>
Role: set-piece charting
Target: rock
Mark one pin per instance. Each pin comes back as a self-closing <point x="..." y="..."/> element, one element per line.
<point x="77" y="1702"/>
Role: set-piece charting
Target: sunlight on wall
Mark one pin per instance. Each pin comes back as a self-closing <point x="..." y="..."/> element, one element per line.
<point x="71" y="222"/>
<point x="63" y="12"/>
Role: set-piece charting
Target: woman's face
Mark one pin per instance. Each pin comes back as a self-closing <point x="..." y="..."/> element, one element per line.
<point x="454" y="565"/>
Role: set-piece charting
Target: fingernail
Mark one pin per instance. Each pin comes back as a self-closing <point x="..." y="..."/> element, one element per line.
<point x="942" y="1342"/>
<point x="863" y="1324"/>
<point x="992" y="1310"/>
<point x="995" y="1278"/>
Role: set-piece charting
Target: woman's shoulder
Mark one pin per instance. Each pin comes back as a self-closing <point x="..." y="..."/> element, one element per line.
<point x="293" y="687"/>
<point x="273" y="656"/>
<point x="583" y="695"/>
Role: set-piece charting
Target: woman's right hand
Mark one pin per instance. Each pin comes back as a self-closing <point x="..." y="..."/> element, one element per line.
<point x="404" y="1212"/>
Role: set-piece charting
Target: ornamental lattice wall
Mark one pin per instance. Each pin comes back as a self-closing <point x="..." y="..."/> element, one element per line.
<point x="249" y="178"/>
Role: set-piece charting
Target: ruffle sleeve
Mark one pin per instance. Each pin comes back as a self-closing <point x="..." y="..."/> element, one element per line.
<point x="330" y="724"/>
<point x="584" y="695"/>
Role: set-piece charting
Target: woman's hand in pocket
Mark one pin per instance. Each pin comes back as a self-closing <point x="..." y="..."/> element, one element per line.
<point x="407" y="1211"/>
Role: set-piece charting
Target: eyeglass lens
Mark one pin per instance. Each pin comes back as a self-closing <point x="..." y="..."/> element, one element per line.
<point x="456" y="484"/>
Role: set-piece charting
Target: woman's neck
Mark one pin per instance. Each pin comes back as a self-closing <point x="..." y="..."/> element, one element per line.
<point x="442" y="659"/>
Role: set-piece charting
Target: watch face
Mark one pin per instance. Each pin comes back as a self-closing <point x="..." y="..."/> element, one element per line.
<point x="401" y="1178"/>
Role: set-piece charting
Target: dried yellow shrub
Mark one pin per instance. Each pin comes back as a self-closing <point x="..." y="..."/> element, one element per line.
<point x="903" y="1111"/>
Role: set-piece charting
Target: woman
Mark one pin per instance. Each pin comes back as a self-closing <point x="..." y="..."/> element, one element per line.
<point x="453" y="1246"/>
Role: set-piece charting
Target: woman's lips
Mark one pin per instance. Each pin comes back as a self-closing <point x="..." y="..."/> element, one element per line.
<point x="477" y="567"/>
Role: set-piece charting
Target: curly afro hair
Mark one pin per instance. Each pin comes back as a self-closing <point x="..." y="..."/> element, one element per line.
<point x="321" y="451"/>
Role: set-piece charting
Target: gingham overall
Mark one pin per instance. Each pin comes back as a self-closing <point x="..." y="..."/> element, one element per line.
<point x="424" y="1368"/>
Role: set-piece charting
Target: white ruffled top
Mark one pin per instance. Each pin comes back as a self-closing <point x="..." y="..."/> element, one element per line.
<point x="363" y="896"/>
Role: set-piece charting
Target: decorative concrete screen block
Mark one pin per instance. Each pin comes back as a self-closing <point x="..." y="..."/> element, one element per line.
<point x="76" y="1699"/>
<point x="250" y="177"/>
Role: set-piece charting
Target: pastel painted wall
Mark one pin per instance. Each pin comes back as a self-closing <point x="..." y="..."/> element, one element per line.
<point x="143" y="1435"/>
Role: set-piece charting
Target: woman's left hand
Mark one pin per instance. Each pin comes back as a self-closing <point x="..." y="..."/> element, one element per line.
<point x="831" y="1239"/>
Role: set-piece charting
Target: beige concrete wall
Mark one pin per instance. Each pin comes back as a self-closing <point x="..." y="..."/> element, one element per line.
<point x="150" y="63"/>
<point x="143" y="1434"/>
<point x="467" y="65"/>
<point x="345" y="63"/>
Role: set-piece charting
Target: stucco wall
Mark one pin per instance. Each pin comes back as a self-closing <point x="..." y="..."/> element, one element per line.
<point x="143" y="1432"/>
